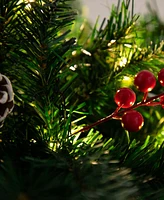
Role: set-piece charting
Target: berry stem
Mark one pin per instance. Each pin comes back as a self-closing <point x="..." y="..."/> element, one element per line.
<point x="145" y="97"/>
<point x="100" y="121"/>
<point x="116" y="114"/>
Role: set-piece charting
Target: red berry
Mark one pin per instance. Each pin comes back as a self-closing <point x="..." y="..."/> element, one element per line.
<point x="125" y="97"/>
<point x="161" y="77"/>
<point x="132" y="121"/>
<point x="161" y="99"/>
<point x="145" y="81"/>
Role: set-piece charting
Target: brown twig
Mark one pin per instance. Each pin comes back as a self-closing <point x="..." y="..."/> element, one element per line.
<point x="117" y="113"/>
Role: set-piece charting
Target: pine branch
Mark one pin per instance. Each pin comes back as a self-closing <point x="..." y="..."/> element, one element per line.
<point x="37" y="64"/>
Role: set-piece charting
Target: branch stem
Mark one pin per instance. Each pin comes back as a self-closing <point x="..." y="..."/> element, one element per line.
<point x="117" y="113"/>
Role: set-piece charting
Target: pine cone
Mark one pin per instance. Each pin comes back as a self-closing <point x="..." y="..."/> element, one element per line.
<point x="6" y="97"/>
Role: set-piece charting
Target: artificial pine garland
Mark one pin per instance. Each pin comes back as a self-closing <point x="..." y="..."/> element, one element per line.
<point x="64" y="80"/>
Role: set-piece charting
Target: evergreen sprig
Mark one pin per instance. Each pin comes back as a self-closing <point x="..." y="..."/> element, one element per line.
<point x="109" y="57"/>
<point x="62" y="83"/>
<point x="38" y="65"/>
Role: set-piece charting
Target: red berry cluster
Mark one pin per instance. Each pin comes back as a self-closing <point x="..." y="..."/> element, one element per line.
<point x="125" y="98"/>
<point x="145" y="82"/>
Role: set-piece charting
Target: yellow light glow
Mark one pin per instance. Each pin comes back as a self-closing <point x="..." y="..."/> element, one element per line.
<point x="29" y="1"/>
<point x="126" y="78"/>
<point x="74" y="53"/>
<point x="94" y="163"/>
<point x="73" y="68"/>
<point x="86" y="52"/>
<point x="123" y="62"/>
<point x="126" y="81"/>
<point x="128" y="45"/>
<point x="111" y="42"/>
<point x="162" y="133"/>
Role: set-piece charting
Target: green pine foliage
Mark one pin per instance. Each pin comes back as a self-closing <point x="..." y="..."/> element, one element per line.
<point x="37" y="63"/>
<point x="64" y="76"/>
<point x="109" y="57"/>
